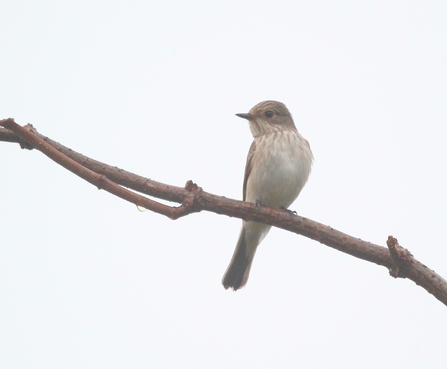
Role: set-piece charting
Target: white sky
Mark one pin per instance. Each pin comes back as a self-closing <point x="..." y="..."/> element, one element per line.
<point x="86" y="280"/>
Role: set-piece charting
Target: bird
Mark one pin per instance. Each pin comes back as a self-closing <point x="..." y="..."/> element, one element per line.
<point x="278" y="165"/>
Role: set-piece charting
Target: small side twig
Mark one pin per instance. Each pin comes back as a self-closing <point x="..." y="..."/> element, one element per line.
<point x="100" y="181"/>
<point x="401" y="257"/>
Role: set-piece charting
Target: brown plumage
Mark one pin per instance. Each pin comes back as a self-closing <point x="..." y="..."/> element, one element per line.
<point x="278" y="165"/>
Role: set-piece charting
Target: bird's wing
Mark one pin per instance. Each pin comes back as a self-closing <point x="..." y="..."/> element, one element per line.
<point x="248" y="167"/>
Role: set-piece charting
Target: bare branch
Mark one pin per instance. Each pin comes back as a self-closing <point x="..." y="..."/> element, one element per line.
<point x="192" y="198"/>
<point x="99" y="180"/>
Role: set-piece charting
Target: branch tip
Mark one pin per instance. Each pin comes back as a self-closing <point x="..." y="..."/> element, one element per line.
<point x="9" y="135"/>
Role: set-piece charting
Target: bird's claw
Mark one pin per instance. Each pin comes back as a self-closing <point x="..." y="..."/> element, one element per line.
<point x="291" y="212"/>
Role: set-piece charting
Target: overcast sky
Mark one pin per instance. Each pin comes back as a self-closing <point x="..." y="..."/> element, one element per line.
<point x="88" y="281"/>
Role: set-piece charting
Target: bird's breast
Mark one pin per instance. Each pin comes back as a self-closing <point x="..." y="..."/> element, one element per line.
<point x="280" y="168"/>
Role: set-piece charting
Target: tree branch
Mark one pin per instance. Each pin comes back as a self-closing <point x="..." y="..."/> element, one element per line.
<point x="192" y="198"/>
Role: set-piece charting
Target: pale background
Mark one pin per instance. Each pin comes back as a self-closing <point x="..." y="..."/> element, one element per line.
<point x="88" y="281"/>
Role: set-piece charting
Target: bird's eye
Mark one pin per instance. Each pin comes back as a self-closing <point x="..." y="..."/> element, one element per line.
<point x="269" y="114"/>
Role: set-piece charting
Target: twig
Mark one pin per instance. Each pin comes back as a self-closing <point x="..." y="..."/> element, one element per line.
<point x="99" y="180"/>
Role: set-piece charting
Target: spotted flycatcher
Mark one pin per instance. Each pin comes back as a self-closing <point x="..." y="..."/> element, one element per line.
<point x="277" y="168"/>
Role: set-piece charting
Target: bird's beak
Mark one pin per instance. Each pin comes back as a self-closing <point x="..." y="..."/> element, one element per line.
<point x="247" y="116"/>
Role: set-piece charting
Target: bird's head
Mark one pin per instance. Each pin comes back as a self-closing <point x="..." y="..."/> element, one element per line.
<point x="267" y="117"/>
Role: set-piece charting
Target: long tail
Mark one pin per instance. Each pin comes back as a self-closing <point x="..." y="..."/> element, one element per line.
<point x="238" y="271"/>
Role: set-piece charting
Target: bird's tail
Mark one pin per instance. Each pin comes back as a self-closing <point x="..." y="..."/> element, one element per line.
<point x="238" y="271"/>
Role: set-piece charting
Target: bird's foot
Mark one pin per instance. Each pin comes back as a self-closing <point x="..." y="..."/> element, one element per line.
<point x="291" y="212"/>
